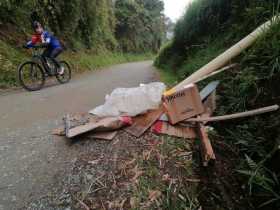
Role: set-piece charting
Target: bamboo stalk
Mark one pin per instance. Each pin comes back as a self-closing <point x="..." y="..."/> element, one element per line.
<point x="235" y="116"/>
<point x="229" y="54"/>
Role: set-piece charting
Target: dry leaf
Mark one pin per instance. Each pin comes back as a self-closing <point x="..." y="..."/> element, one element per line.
<point x="133" y="202"/>
<point x="154" y="195"/>
<point x="147" y="155"/>
<point x="137" y="174"/>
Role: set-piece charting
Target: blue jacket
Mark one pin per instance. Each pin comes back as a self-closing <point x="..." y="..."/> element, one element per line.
<point x="44" y="38"/>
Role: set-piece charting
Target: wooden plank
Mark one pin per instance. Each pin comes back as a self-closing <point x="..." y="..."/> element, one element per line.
<point x="143" y="122"/>
<point x="207" y="152"/>
<point x="235" y="116"/>
<point x="110" y="135"/>
<point x="210" y="104"/>
<point x="161" y="127"/>
<point x="234" y="65"/>
<point x="67" y="123"/>
<point x="103" y="124"/>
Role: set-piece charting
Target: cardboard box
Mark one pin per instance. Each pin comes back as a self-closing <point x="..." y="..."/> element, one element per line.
<point x="183" y="104"/>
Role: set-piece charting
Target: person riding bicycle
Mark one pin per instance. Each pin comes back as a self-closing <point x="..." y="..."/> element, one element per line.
<point x="45" y="39"/>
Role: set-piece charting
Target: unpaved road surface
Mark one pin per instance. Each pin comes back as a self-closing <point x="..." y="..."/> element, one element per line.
<point x="31" y="159"/>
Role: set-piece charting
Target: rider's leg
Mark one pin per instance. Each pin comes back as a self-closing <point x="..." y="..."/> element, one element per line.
<point x="46" y="53"/>
<point x="54" y="54"/>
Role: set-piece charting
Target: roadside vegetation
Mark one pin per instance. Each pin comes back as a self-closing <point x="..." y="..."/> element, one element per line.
<point x="98" y="33"/>
<point x="248" y="149"/>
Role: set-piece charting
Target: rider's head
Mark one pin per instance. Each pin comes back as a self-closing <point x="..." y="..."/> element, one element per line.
<point x="37" y="27"/>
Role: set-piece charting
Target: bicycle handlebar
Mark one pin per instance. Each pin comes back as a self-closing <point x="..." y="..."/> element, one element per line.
<point x="36" y="47"/>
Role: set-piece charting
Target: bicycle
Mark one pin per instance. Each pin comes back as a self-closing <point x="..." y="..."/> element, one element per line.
<point x="32" y="74"/>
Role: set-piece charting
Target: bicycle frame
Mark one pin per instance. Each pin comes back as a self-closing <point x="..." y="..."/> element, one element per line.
<point x="37" y="56"/>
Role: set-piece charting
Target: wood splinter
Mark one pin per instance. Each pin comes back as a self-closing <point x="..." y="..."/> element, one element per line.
<point x="207" y="152"/>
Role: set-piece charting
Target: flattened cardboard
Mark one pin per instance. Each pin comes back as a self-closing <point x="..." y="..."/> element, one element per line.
<point x="143" y="122"/>
<point x="161" y="127"/>
<point x="183" y="104"/>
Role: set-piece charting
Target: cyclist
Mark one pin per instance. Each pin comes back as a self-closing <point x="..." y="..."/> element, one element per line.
<point x="52" y="44"/>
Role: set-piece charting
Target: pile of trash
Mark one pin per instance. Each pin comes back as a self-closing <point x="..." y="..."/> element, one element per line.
<point x="182" y="112"/>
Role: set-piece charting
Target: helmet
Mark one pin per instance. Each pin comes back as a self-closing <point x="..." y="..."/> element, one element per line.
<point x="35" y="25"/>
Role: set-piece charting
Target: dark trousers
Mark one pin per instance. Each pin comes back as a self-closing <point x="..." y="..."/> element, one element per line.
<point x="53" y="53"/>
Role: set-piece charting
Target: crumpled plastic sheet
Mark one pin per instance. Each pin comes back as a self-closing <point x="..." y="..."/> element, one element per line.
<point x="131" y="101"/>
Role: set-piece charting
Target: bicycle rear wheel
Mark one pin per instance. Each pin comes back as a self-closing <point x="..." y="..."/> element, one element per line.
<point x="31" y="76"/>
<point x="66" y="76"/>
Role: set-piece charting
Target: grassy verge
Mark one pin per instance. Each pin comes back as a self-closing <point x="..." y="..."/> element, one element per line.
<point x="168" y="180"/>
<point x="254" y="85"/>
<point x="84" y="61"/>
<point x="11" y="57"/>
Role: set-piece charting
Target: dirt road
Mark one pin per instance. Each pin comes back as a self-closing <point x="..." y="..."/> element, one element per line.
<point x="31" y="159"/>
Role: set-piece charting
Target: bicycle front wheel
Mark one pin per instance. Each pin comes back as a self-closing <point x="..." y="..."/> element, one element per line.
<point x="31" y="76"/>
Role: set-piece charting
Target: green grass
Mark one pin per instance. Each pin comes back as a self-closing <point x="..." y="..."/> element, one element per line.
<point x="199" y="57"/>
<point x="10" y="58"/>
<point x="164" y="171"/>
<point x="84" y="61"/>
<point x="169" y="78"/>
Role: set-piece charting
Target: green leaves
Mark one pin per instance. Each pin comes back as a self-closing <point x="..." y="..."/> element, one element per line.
<point x="140" y="24"/>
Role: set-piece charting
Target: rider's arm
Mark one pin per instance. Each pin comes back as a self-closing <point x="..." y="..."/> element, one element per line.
<point x="46" y="38"/>
<point x="34" y="40"/>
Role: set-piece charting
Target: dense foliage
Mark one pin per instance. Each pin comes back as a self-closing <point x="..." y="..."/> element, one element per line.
<point x="137" y="25"/>
<point x="207" y="29"/>
<point x="99" y="26"/>
<point x="140" y="24"/>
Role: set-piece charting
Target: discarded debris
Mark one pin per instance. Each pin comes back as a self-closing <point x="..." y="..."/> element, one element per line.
<point x="96" y="124"/>
<point x="232" y="66"/>
<point x="142" y="123"/>
<point x="236" y="116"/>
<point x="210" y="104"/>
<point x="109" y="135"/>
<point x="183" y="104"/>
<point x="208" y="90"/>
<point x="181" y="113"/>
<point x="204" y="95"/>
<point x="161" y="127"/>
<point x="207" y="153"/>
<point x="131" y="101"/>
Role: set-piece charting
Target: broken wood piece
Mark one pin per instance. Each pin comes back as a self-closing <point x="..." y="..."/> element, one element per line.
<point x="59" y="131"/>
<point x="109" y="135"/>
<point x="143" y="122"/>
<point x="210" y="104"/>
<point x="208" y="90"/>
<point x="217" y="72"/>
<point x="161" y="127"/>
<point x="183" y="104"/>
<point x="207" y="152"/>
<point x="67" y="123"/>
<point x="103" y="124"/>
<point x="235" y="116"/>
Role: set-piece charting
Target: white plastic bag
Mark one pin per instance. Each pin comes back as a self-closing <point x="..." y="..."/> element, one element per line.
<point x="131" y="101"/>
